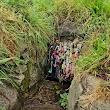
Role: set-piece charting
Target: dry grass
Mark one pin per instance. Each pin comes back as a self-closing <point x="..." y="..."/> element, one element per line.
<point x="100" y="94"/>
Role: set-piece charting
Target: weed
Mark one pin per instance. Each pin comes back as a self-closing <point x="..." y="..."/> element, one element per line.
<point x="63" y="100"/>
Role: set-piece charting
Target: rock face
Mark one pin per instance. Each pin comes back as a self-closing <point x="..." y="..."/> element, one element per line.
<point x="66" y="29"/>
<point x="69" y="30"/>
<point x="25" y="75"/>
<point x="80" y="95"/>
<point x="74" y="93"/>
<point x="8" y="97"/>
<point x="35" y="75"/>
<point x="18" y="75"/>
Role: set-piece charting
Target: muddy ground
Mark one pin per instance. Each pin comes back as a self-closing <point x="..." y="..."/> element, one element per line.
<point x="46" y="97"/>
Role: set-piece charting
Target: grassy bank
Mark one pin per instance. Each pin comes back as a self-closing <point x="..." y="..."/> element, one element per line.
<point x="24" y="25"/>
<point x="30" y="24"/>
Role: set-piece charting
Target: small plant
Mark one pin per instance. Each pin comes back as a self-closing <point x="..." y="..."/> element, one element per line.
<point x="1" y="108"/>
<point x="63" y="100"/>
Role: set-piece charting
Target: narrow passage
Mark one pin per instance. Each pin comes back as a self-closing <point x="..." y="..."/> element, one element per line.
<point x="45" y="99"/>
<point x="60" y="71"/>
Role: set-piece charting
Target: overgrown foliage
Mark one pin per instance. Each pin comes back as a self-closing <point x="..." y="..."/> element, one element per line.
<point x="25" y="26"/>
<point x="96" y="52"/>
<point x="30" y="24"/>
<point x="96" y="56"/>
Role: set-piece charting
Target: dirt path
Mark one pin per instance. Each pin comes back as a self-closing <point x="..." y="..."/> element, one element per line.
<point x="46" y="99"/>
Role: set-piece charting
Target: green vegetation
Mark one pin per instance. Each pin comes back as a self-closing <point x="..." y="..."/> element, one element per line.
<point x="1" y="108"/>
<point x="96" y="52"/>
<point x="96" y="57"/>
<point x="23" y="24"/>
<point x="31" y="24"/>
<point x="63" y="100"/>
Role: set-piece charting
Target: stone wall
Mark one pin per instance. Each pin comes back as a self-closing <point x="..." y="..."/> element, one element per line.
<point x="80" y="95"/>
<point x="70" y="30"/>
<point x="9" y="96"/>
